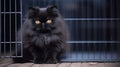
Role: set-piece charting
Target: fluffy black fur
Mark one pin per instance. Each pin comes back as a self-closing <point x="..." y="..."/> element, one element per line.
<point x="43" y="44"/>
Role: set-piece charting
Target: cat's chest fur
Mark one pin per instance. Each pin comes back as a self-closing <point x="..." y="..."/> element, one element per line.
<point x="41" y="39"/>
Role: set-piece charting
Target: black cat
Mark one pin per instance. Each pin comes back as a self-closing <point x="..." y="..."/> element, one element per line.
<point x="44" y="36"/>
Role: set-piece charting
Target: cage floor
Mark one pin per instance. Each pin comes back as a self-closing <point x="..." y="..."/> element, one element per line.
<point x="63" y="65"/>
<point x="93" y="56"/>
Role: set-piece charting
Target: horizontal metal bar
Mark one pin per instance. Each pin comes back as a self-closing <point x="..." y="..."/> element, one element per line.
<point x="93" y="41"/>
<point x="90" y="60"/>
<point x="84" y="19"/>
<point x="9" y="56"/>
<point x="11" y="12"/>
<point x="79" y="42"/>
<point x="11" y="42"/>
<point x="91" y="18"/>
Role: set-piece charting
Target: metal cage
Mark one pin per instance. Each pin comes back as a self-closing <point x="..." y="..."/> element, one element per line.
<point x="94" y="26"/>
<point x="10" y="21"/>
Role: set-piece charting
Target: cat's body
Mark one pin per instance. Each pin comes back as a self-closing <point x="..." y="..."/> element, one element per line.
<point x="44" y="36"/>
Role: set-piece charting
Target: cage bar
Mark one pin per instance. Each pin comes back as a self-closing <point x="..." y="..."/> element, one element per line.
<point x="0" y="28"/>
<point x="7" y="39"/>
<point x="15" y="29"/>
<point x="21" y="27"/>
<point x="4" y="29"/>
<point x="10" y="28"/>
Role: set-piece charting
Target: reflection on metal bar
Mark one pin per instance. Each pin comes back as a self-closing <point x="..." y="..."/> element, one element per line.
<point x="89" y="19"/>
<point x="11" y="12"/>
<point x="92" y="19"/>
<point x="79" y="42"/>
<point x="9" y="56"/>
<point x="90" y="60"/>
<point x="11" y="42"/>
<point x="93" y="41"/>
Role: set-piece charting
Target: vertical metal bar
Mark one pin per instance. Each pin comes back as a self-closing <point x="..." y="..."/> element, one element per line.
<point x="84" y="45"/>
<point x="103" y="33"/>
<point x="104" y="50"/>
<point x="118" y="21"/>
<point x="76" y="32"/>
<point x="4" y="29"/>
<point x="115" y="30"/>
<point x="81" y="23"/>
<point x="10" y="28"/>
<point x="15" y="29"/>
<point x="111" y="28"/>
<point x="94" y="26"/>
<point x="71" y="44"/>
<point x="106" y="36"/>
<point x="72" y="49"/>
<point x="103" y="46"/>
<point x="21" y="28"/>
<point x="82" y="31"/>
<point x="88" y="32"/>
<point x="118" y="28"/>
<point x="32" y="2"/>
<point x="0" y="28"/>
<point x="37" y="2"/>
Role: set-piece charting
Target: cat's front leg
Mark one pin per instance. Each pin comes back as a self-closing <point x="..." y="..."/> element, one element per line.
<point x="37" y="55"/>
<point x="26" y="57"/>
<point x="38" y="60"/>
<point x="51" y="59"/>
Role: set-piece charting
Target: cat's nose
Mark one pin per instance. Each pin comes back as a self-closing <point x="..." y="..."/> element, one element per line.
<point x="43" y="25"/>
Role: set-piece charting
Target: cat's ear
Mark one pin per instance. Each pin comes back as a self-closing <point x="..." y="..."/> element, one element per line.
<point x="52" y="7"/>
<point x="32" y="11"/>
<point x="31" y="8"/>
<point x="52" y="10"/>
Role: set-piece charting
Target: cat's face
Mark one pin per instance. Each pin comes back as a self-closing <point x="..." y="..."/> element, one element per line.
<point x="43" y="19"/>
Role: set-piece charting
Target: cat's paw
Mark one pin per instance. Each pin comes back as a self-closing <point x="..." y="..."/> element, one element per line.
<point x="38" y="62"/>
<point x="51" y="61"/>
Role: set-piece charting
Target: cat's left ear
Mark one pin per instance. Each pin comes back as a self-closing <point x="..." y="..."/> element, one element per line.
<point x="52" y="10"/>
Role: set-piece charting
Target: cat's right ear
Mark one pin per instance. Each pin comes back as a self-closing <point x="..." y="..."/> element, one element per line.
<point x="31" y="8"/>
<point x="31" y="12"/>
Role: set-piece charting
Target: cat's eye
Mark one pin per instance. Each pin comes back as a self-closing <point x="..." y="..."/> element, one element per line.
<point x="49" y="21"/>
<point x="37" y="22"/>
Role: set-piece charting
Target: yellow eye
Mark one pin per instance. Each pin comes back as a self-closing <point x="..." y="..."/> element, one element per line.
<point x="37" y="22"/>
<point x="49" y="21"/>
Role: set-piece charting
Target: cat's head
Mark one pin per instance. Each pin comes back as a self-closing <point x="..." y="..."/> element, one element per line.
<point x="43" y="19"/>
